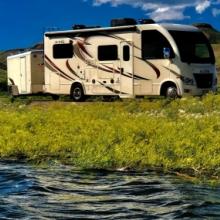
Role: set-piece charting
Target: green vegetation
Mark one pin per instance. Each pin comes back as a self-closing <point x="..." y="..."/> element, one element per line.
<point x="216" y="48"/>
<point x="181" y="135"/>
<point x="3" y="73"/>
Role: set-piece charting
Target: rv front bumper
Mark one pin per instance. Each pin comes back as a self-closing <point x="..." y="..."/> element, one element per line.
<point x="198" y="92"/>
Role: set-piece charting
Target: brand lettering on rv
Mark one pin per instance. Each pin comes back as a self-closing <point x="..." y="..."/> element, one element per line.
<point x="59" y="42"/>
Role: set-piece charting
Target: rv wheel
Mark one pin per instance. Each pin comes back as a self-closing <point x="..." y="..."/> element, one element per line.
<point x="171" y="92"/>
<point x="77" y="93"/>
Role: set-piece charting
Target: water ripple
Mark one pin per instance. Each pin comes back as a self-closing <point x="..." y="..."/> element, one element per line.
<point x="59" y="192"/>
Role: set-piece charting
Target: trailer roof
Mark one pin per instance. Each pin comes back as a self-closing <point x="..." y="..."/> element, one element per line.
<point x="121" y="29"/>
<point x="24" y="54"/>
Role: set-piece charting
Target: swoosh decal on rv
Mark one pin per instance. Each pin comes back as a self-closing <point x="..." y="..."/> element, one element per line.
<point x="111" y="89"/>
<point x="57" y="68"/>
<point x="172" y="71"/>
<point x="79" y="54"/>
<point x="82" y="47"/>
<point x="112" y="69"/>
<point x="107" y="68"/>
<point x="137" y="77"/>
<point x="51" y="68"/>
<point x="156" y="70"/>
<point x="71" y="70"/>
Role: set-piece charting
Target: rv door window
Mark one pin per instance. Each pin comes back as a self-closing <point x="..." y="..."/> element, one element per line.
<point x="153" y="43"/>
<point x="107" y="52"/>
<point x="62" y="51"/>
<point x="126" y="53"/>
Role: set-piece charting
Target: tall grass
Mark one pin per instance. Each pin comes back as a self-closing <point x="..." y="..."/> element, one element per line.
<point x="170" y="135"/>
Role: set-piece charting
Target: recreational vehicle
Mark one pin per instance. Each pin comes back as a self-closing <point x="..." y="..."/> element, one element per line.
<point x="128" y="60"/>
<point x="26" y="73"/>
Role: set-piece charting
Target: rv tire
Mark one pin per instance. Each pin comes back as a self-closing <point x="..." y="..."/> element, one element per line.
<point x="169" y="90"/>
<point x="77" y="93"/>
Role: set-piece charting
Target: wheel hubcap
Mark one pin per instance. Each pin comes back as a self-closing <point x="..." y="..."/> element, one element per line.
<point x="171" y="92"/>
<point x="77" y="93"/>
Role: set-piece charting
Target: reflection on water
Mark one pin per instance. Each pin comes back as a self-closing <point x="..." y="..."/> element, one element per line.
<point x="60" y="192"/>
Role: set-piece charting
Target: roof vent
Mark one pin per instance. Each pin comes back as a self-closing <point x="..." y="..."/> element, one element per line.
<point x="82" y="26"/>
<point x="146" y="21"/>
<point x="123" y="22"/>
<point x="79" y="26"/>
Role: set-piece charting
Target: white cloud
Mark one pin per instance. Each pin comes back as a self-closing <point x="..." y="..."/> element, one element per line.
<point x="202" y="6"/>
<point x="166" y="14"/>
<point x="165" y="10"/>
<point x="215" y="12"/>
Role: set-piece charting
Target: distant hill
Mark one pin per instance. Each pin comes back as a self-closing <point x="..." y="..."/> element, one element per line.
<point x="212" y="34"/>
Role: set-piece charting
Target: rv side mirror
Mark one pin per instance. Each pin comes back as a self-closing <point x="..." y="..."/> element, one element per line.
<point x="166" y="52"/>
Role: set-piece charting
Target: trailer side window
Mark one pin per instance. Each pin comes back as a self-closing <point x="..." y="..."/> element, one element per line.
<point x="153" y="43"/>
<point x="108" y="52"/>
<point x="62" y="51"/>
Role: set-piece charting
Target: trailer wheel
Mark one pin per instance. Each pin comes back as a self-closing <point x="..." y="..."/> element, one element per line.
<point x="55" y="97"/>
<point x="77" y="93"/>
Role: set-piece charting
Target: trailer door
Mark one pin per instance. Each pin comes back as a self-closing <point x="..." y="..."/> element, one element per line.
<point x="127" y="70"/>
<point x="23" y="75"/>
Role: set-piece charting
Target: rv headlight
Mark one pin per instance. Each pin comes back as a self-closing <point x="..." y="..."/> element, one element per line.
<point x="187" y="80"/>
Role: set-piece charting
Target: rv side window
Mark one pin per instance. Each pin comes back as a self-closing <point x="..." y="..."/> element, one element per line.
<point x="126" y="53"/>
<point x="108" y="52"/>
<point x="62" y="51"/>
<point x="153" y="43"/>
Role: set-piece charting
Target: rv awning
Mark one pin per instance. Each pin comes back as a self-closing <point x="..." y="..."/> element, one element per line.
<point x="93" y="30"/>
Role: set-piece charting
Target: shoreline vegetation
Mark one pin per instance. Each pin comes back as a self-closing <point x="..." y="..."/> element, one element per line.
<point x="179" y="136"/>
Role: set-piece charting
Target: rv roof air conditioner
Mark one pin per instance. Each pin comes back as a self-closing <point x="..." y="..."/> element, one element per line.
<point x="123" y="22"/>
<point x="146" y="21"/>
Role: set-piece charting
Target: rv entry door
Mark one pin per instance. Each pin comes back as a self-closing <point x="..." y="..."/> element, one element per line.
<point x="127" y="77"/>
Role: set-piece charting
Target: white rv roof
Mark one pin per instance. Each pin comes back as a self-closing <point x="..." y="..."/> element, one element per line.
<point x="124" y="28"/>
<point x="120" y="28"/>
<point x="179" y="27"/>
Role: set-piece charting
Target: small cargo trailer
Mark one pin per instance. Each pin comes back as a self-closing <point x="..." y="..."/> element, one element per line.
<point x="26" y="73"/>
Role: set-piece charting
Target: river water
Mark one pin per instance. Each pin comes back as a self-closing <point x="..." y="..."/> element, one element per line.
<point x="61" y="192"/>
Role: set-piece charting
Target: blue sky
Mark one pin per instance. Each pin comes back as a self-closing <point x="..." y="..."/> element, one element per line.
<point x="23" y="22"/>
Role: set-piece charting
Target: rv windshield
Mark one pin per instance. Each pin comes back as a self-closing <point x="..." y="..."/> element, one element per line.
<point x="193" y="47"/>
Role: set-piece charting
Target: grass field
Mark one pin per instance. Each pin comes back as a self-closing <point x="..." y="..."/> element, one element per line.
<point x="175" y="136"/>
